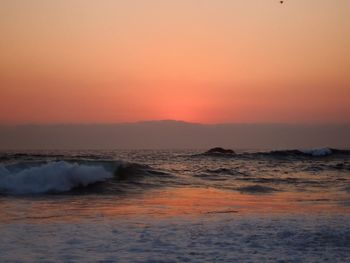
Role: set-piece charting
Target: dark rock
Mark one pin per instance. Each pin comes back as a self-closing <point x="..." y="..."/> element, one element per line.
<point x="220" y="151"/>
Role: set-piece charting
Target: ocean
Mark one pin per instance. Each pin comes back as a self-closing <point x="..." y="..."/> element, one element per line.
<point x="175" y="206"/>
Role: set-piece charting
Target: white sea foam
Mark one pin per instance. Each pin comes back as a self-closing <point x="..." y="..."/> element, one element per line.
<point x="318" y="152"/>
<point x="222" y="238"/>
<point x="52" y="177"/>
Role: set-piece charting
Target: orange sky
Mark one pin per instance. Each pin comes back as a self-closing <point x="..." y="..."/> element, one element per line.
<point x="84" y="61"/>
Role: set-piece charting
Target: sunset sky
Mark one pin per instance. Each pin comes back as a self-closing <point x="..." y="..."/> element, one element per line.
<point x="209" y="61"/>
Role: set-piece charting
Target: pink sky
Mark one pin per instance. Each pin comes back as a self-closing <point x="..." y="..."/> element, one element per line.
<point x="75" y="61"/>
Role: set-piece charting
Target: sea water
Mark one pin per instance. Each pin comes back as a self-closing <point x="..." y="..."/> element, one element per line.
<point x="175" y="206"/>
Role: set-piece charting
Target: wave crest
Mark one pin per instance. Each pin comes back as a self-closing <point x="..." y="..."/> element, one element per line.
<point x="307" y="153"/>
<point x="54" y="177"/>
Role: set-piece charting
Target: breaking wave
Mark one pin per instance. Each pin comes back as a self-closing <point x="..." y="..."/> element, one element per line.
<point x="45" y="177"/>
<point x="318" y="152"/>
<point x="321" y="152"/>
<point x="54" y="177"/>
<point x="310" y="152"/>
<point x="307" y="153"/>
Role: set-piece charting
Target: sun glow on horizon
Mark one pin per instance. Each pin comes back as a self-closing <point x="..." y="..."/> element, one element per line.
<point x="195" y="60"/>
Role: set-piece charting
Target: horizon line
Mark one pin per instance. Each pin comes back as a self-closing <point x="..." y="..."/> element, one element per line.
<point x="167" y="121"/>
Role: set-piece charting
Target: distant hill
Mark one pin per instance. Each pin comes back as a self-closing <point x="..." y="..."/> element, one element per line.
<point x="174" y="135"/>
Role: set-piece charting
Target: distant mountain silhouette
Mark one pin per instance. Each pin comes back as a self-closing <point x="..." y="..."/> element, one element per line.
<point x="169" y="134"/>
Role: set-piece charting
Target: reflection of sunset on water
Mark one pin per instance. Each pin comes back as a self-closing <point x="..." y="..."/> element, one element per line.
<point x="172" y="203"/>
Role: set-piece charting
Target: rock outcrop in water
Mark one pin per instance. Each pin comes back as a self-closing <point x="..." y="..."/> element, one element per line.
<point x="218" y="151"/>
